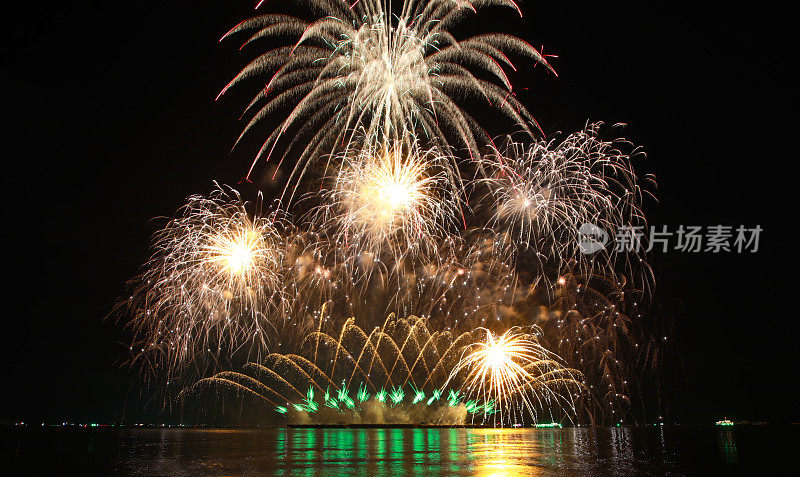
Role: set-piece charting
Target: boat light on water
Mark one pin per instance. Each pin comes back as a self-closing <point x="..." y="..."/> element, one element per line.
<point x="550" y="424"/>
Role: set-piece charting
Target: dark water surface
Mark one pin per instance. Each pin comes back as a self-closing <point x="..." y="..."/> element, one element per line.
<point x="381" y="452"/>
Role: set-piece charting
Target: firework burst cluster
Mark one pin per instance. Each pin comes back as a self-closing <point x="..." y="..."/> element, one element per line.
<point x="397" y="201"/>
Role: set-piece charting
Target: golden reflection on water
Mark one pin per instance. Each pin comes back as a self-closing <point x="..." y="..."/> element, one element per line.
<point x="500" y="452"/>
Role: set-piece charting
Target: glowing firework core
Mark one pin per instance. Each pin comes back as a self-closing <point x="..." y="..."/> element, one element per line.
<point x="237" y="252"/>
<point x="241" y="258"/>
<point x="385" y="193"/>
<point x="392" y="188"/>
<point x="497" y="358"/>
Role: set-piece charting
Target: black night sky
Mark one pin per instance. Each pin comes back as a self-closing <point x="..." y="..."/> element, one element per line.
<point x="111" y="121"/>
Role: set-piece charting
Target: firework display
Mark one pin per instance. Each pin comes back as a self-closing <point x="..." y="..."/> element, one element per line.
<point x="401" y="372"/>
<point x="399" y="203"/>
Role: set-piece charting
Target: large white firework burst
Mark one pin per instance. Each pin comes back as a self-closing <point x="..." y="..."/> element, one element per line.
<point x="212" y="285"/>
<point x="389" y="202"/>
<point x="359" y="68"/>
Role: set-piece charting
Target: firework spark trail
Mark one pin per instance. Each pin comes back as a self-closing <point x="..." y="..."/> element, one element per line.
<point x="600" y="331"/>
<point x="358" y="69"/>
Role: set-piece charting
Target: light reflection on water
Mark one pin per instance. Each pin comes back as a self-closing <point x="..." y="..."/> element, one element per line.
<point x="727" y="446"/>
<point x="431" y="452"/>
<point x="383" y="452"/>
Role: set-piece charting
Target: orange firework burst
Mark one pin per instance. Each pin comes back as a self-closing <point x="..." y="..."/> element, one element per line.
<point x="514" y="368"/>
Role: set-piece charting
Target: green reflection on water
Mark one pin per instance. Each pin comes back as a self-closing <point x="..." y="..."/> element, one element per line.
<point x="362" y="441"/>
<point x="727" y="446"/>
<point x="397" y="450"/>
<point x="551" y="443"/>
